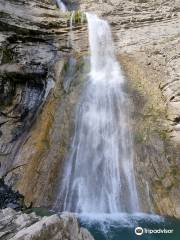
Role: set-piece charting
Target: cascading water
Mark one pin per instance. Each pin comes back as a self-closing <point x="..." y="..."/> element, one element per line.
<point x="61" y="5"/>
<point x="98" y="175"/>
<point x="98" y="182"/>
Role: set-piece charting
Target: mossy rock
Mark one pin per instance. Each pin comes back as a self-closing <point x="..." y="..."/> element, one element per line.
<point x="7" y="56"/>
<point x="40" y="211"/>
<point x="78" y="17"/>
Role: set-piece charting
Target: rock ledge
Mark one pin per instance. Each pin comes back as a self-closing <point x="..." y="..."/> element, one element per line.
<point x="19" y="226"/>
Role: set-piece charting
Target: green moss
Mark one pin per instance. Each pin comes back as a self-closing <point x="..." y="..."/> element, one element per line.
<point x="78" y="17"/>
<point x="7" y="91"/>
<point x="163" y="134"/>
<point x="140" y="137"/>
<point x="40" y="211"/>
<point x="175" y="170"/>
<point x="157" y="183"/>
<point x="66" y="67"/>
<point x="7" y="56"/>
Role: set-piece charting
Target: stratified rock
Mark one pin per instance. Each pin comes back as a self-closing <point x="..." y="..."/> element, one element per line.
<point x="19" y="226"/>
<point x="29" y="46"/>
<point x="35" y="44"/>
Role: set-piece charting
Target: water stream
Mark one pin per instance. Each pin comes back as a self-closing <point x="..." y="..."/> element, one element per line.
<point x="98" y="175"/>
<point x="61" y="5"/>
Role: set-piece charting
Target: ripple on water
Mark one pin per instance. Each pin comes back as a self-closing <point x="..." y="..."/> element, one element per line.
<point x="122" y="226"/>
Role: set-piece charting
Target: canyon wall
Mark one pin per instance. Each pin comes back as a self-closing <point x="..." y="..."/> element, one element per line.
<point x="41" y="76"/>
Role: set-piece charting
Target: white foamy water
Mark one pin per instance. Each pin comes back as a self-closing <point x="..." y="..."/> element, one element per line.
<point x="99" y="176"/>
<point x="122" y="219"/>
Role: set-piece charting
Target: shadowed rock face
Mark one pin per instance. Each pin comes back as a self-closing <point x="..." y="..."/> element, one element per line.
<point x="35" y="127"/>
<point x="8" y="198"/>
<point x="34" y="123"/>
<point x="23" y="77"/>
<point x="29" y="47"/>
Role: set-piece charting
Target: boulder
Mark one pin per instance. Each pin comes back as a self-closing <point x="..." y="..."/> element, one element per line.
<point x="20" y="226"/>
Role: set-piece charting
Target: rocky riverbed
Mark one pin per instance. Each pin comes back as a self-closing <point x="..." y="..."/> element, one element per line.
<point x="38" y="93"/>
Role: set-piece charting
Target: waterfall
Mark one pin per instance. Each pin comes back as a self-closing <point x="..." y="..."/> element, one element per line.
<point x="61" y="5"/>
<point x="70" y="37"/>
<point x="98" y="174"/>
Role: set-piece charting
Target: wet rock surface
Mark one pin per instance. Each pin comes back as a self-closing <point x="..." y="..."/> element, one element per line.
<point x="17" y="225"/>
<point x="36" y="48"/>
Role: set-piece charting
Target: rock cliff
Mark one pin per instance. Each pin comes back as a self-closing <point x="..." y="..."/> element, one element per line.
<point x="38" y="92"/>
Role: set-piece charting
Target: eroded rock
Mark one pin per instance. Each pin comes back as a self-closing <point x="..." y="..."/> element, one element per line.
<point x="36" y="35"/>
<point x="19" y="226"/>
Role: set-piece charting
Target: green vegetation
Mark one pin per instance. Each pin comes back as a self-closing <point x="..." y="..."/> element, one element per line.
<point x="78" y="17"/>
<point x="40" y="211"/>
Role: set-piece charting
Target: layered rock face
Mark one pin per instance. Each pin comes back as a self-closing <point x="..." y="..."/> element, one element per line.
<point x="18" y="226"/>
<point x="35" y="57"/>
<point x="27" y="54"/>
<point x="41" y="76"/>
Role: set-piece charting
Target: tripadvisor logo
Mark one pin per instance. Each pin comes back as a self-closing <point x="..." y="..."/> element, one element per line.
<point x="139" y="231"/>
